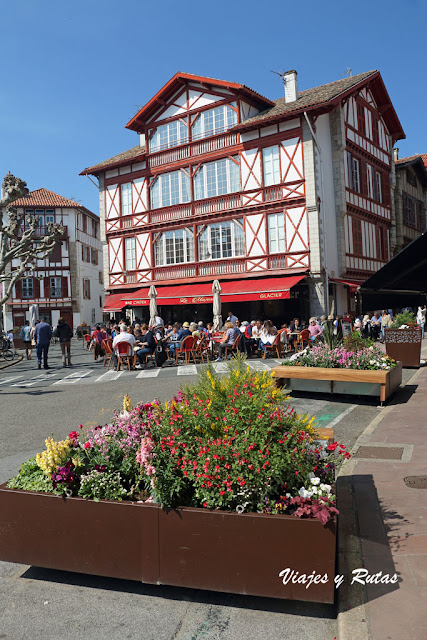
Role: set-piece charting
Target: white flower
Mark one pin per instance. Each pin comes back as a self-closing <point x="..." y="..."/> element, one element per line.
<point x="315" y="481"/>
<point x="304" y="493"/>
<point x="313" y="491"/>
<point x="372" y="362"/>
<point x="325" y="487"/>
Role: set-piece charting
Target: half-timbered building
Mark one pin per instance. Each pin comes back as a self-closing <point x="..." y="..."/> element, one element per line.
<point x="286" y="202"/>
<point x="410" y="197"/>
<point x="69" y="282"/>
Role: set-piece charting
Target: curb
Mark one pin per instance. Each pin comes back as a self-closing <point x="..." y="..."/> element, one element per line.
<point x="353" y="616"/>
<point x="12" y="362"/>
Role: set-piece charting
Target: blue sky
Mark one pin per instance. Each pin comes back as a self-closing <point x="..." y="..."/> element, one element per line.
<point x="75" y="72"/>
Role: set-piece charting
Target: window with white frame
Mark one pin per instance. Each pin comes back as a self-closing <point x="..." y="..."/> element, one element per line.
<point x="217" y="178"/>
<point x="168" y="135"/>
<point x="130" y="260"/>
<point x="56" y="287"/>
<point x="213" y="121"/>
<point x="27" y="287"/>
<point x="221" y="240"/>
<point x="174" y="247"/>
<point x="276" y="233"/>
<point x="355" y="166"/>
<point x="271" y="165"/>
<point x="126" y="202"/>
<point x="170" y="188"/>
<point x="378" y="187"/>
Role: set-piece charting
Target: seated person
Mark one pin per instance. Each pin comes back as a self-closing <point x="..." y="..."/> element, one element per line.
<point x="267" y="335"/>
<point x="146" y="343"/>
<point x="227" y="340"/>
<point x="123" y="336"/>
<point x="315" y="329"/>
<point x="182" y="333"/>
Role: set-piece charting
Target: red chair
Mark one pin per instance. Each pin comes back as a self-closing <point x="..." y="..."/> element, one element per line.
<point x="202" y="349"/>
<point x="107" y="347"/>
<point x="302" y="340"/>
<point x="187" y="349"/>
<point x="124" y="353"/>
<point x="277" y="346"/>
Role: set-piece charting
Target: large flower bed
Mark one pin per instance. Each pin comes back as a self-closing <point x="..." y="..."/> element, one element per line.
<point x="228" y="443"/>
<point x="364" y="358"/>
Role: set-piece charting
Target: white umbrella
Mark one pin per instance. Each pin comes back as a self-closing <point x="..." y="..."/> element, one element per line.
<point x="34" y="314"/>
<point x="217" y="317"/>
<point x="152" y="294"/>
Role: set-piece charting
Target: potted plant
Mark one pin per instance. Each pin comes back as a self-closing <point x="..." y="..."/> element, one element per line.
<point x="354" y="366"/>
<point x="403" y="340"/>
<point x="224" y="488"/>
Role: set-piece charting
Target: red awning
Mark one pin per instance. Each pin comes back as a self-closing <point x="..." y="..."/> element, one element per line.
<point x="113" y="302"/>
<point x="353" y="285"/>
<point x="232" y="291"/>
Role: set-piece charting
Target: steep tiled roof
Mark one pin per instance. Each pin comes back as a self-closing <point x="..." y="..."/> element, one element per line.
<point x="46" y="198"/>
<point x="309" y="98"/>
<point x="408" y="159"/>
<point x="419" y="165"/>
<point x="424" y="157"/>
<point x="115" y="161"/>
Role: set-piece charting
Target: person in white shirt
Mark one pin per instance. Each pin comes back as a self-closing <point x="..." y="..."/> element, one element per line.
<point x="123" y="336"/>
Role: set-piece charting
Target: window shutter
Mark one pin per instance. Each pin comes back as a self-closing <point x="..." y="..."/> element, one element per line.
<point x="350" y="170"/>
<point x="363" y="178"/>
<point x="18" y="289"/>
<point x="64" y="287"/>
<point x="47" y="287"/>
<point x="36" y="287"/>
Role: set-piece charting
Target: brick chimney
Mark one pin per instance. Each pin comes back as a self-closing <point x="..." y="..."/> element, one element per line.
<point x="291" y="85"/>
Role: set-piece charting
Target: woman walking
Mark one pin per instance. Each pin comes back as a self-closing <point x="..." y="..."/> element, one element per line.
<point x="64" y="333"/>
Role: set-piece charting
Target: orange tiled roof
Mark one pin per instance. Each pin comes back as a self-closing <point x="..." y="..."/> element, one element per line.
<point x="46" y="198"/>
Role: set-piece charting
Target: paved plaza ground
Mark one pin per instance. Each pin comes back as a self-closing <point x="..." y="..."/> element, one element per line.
<point x="48" y="604"/>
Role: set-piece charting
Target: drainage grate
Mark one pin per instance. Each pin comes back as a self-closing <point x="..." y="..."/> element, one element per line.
<point x="383" y="453"/>
<point x="416" y="482"/>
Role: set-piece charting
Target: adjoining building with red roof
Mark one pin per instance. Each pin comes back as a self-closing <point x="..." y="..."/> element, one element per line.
<point x="69" y="282"/>
<point x="410" y="197"/>
<point x="287" y="202"/>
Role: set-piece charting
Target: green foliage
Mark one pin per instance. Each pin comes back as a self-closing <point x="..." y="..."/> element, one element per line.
<point x="407" y="317"/>
<point x="328" y="335"/>
<point x="355" y="341"/>
<point x="32" y="478"/>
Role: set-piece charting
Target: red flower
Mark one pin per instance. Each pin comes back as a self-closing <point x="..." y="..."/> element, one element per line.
<point x="73" y="435"/>
<point x="88" y="445"/>
<point x="333" y="446"/>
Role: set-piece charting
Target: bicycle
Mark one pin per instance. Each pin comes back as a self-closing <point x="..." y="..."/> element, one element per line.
<point x="5" y="350"/>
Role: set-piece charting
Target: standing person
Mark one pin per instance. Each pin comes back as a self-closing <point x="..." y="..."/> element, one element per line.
<point x="160" y="353"/>
<point x="232" y="318"/>
<point x="386" y="322"/>
<point x="375" y="325"/>
<point x="64" y="333"/>
<point x="421" y="318"/>
<point x="366" y="328"/>
<point x="26" y="338"/>
<point x="42" y="336"/>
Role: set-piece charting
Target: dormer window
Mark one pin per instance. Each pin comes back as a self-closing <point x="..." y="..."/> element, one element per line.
<point x="213" y="121"/>
<point x="168" y="135"/>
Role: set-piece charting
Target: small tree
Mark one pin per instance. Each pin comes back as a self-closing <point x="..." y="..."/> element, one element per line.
<point x="22" y="245"/>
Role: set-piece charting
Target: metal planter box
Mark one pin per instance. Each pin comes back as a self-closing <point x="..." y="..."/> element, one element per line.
<point x="348" y="381"/>
<point x="196" y="548"/>
<point x="404" y="345"/>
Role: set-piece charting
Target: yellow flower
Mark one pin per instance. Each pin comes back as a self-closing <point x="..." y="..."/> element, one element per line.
<point x="127" y="405"/>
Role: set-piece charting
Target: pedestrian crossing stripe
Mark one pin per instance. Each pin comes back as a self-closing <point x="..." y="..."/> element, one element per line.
<point x="259" y="366"/>
<point x="150" y="373"/>
<point x="108" y="376"/>
<point x="73" y="377"/>
<point x="187" y="370"/>
<point x="220" y="367"/>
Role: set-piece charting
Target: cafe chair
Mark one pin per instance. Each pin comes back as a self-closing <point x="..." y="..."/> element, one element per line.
<point x="303" y="340"/>
<point x="277" y="346"/>
<point x="186" y="350"/>
<point x="107" y="347"/>
<point x="124" y="353"/>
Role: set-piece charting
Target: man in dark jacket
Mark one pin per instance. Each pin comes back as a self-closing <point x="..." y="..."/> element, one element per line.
<point x="148" y="344"/>
<point x="42" y="336"/>
<point x="64" y="333"/>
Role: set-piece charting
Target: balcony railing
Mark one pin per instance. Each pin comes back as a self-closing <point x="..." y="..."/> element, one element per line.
<point x="40" y="232"/>
<point x="227" y="202"/>
<point x="190" y="149"/>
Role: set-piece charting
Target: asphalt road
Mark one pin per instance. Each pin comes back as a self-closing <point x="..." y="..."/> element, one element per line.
<point x="39" y="603"/>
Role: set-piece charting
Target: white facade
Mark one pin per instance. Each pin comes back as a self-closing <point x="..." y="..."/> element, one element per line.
<point x="69" y="282"/>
